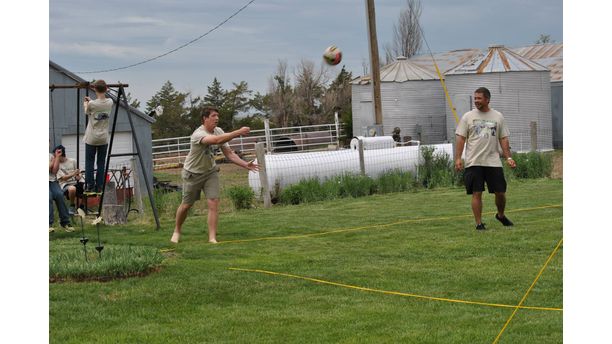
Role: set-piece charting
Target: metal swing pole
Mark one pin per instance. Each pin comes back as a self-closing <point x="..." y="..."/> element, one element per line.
<point x="120" y="93"/>
<point x="78" y="129"/>
<point x="52" y="114"/>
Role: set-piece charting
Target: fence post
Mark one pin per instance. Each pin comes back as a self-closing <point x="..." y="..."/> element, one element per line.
<point x="301" y="140"/>
<point x="263" y="175"/>
<point x="361" y="159"/>
<point x="337" y="123"/>
<point x="267" y="131"/>
<point x="534" y="136"/>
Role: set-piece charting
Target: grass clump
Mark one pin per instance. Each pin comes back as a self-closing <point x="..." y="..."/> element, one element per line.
<point x="242" y="196"/>
<point x="395" y="181"/>
<point x="67" y="261"/>
<point x="532" y="165"/>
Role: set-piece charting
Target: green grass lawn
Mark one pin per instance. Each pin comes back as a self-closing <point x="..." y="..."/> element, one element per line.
<point x="415" y="244"/>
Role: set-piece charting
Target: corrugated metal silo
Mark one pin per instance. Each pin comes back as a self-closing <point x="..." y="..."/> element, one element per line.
<point x="412" y="99"/>
<point x="520" y="90"/>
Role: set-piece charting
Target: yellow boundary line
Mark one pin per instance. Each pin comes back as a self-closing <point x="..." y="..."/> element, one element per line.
<point x="516" y="308"/>
<point x="299" y="236"/>
<point x="431" y="298"/>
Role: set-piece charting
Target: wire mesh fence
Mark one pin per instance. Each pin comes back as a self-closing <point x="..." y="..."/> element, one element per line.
<point x="171" y="152"/>
<point x="282" y="170"/>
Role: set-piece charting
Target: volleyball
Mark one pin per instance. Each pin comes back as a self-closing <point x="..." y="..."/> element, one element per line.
<point x="332" y="55"/>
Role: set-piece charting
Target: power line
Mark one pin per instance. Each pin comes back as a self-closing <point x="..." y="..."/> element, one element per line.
<point x="175" y="49"/>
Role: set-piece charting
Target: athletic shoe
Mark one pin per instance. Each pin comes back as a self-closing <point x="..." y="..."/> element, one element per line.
<point x="68" y="228"/>
<point x="480" y="227"/>
<point x="51" y="229"/>
<point x="504" y="220"/>
<point x="71" y="211"/>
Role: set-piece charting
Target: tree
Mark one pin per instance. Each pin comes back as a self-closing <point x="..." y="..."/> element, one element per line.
<point x="281" y="95"/>
<point x="309" y="88"/>
<point x="174" y="122"/>
<point x="216" y="95"/>
<point x="407" y="38"/>
<point x="544" y="39"/>
<point x="235" y="101"/>
<point x="261" y="104"/>
<point x="338" y="99"/>
<point x="135" y="103"/>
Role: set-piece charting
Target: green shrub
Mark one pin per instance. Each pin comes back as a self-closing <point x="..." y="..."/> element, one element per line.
<point x="437" y="170"/>
<point x="242" y="196"/>
<point x="395" y="181"/>
<point x="67" y="261"/>
<point x="292" y="194"/>
<point x="532" y="165"/>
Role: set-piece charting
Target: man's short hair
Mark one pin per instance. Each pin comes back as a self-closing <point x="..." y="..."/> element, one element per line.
<point x="62" y="148"/>
<point x="208" y="110"/>
<point x="100" y="86"/>
<point x="484" y="91"/>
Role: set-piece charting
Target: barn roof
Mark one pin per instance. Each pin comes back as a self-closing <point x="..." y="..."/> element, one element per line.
<point x="78" y="79"/>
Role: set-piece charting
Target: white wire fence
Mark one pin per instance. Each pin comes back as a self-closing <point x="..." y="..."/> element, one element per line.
<point x="277" y="171"/>
<point x="171" y="152"/>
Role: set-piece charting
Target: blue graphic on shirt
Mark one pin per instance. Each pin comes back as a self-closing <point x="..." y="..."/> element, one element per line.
<point x="484" y="129"/>
<point x="101" y="116"/>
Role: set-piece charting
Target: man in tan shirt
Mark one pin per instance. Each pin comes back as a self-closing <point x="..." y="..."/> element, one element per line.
<point x="200" y="172"/>
<point x="485" y="130"/>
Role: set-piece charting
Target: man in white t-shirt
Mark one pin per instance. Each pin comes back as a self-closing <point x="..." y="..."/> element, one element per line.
<point x="485" y="130"/>
<point x="96" y="135"/>
<point x="200" y="172"/>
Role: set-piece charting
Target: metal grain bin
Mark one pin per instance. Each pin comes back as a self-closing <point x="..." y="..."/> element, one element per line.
<point x="520" y="90"/>
<point x="412" y="99"/>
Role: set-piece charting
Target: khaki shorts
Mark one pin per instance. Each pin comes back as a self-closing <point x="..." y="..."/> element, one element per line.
<point x="193" y="183"/>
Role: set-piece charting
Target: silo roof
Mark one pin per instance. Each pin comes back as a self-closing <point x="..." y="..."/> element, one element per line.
<point x="549" y="55"/>
<point x="498" y="59"/>
<point x="446" y="60"/>
<point x="401" y="70"/>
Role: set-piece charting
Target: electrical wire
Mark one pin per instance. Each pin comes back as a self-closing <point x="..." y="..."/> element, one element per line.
<point x="173" y="50"/>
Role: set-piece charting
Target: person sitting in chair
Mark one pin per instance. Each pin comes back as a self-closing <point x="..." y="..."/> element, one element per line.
<point x="70" y="180"/>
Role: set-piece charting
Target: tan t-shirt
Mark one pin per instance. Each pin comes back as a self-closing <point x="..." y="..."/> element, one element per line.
<point x="482" y="131"/>
<point x="98" y="112"/>
<point x="200" y="158"/>
<point x="65" y="168"/>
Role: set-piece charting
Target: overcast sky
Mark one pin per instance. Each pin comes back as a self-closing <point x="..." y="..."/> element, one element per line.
<point x="100" y="35"/>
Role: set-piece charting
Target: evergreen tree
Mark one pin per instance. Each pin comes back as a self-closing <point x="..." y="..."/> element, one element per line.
<point x="237" y="100"/>
<point x="174" y="122"/>
<point x="216" y="95"/>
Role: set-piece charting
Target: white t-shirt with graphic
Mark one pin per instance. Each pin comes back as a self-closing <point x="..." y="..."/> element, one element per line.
<point x="66" y="168"/>
<point x="482" y="131"/>
<point x="98" y="112"/>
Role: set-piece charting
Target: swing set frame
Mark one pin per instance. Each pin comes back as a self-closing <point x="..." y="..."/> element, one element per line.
<point x="120" y="95"/>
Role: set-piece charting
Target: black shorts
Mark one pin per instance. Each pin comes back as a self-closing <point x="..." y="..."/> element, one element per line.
<point x="476" y="176"/>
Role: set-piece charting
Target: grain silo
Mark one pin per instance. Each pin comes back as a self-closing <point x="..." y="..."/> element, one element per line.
<point x="551" y="56"/>
<point x="520" y="90"/>
<point x="412" y="100"/>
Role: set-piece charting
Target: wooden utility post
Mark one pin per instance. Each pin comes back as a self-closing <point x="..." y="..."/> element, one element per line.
<point x="374" y="64"/>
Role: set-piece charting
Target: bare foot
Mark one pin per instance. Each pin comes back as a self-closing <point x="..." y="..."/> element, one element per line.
<point x="175" y="237"/>
<point x="212" y="241"/>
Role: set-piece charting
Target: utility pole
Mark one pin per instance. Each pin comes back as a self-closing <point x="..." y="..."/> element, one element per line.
<point x="374" y="64"/>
